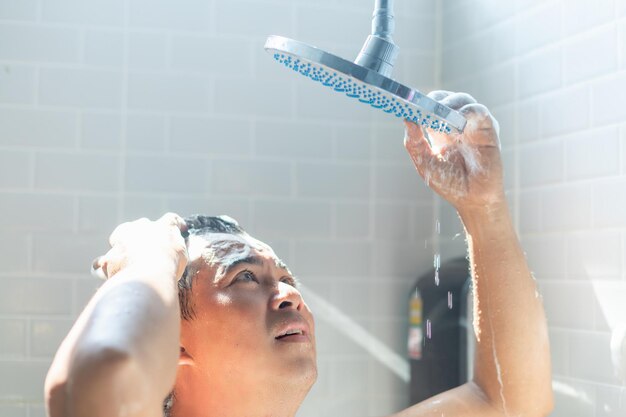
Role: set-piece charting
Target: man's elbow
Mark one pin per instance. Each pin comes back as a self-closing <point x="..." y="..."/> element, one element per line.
<point x="100" y="381"/>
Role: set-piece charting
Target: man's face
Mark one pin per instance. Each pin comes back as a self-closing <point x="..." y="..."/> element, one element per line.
<point x="251" y="328"/>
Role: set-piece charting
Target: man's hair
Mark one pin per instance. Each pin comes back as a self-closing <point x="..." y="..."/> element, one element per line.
<point x="200" y="225"/>
<point x="197" y="225"/>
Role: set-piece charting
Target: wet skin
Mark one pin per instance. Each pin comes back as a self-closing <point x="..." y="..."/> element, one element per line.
<point x="246" y="305"/>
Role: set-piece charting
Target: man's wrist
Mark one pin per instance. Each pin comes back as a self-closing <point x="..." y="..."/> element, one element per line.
<point x="478" y="218"/>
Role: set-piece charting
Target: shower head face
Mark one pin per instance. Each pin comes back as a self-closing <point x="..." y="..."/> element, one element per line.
<point x="365" y="85"/>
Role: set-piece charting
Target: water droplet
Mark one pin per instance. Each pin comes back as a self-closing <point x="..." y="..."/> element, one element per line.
<point x="438" y="227"/>
<point x="428" y="329"/>
<point x="450" y="300"/>
<point x="437" y="277"/>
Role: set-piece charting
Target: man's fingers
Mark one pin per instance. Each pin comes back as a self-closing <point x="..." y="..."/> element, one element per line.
<point x="457" y="100"/>
<point x="174" y="219"/>
<point x="120" y="230"/>
<point x="419" y="149"/>
<point x="480" y="120"/>
<point x="439" y="95"/>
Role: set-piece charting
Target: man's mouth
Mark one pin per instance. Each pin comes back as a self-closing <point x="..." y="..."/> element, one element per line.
<point x="292" y="332"/>
<point x="296" y="331"/>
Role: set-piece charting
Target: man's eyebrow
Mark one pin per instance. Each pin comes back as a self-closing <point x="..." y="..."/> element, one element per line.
<point x="251" y="260"/>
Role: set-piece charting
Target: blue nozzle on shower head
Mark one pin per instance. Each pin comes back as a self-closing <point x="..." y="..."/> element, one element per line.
<point x="365" y="84"/>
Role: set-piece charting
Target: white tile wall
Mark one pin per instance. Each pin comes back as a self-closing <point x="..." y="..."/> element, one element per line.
<point x="567" y="191"/>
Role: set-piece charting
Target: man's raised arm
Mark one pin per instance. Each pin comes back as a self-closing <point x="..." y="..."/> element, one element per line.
<point x="120" y="357"/>
<point x="512" y="363"/>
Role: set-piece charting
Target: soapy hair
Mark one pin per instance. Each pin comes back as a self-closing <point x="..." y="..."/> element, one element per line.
<point x="198" y="225"/>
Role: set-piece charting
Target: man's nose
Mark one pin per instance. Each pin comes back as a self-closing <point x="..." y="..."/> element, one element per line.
<point x="286" y="297"/>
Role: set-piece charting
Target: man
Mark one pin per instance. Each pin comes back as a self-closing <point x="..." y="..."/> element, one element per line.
<point x="245" y="345"/>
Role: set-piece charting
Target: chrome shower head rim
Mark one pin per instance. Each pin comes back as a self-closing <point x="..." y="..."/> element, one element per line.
<point x="346" y="76"/>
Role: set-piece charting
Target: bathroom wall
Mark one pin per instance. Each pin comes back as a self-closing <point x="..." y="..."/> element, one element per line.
<point x="116" y="109"/>
<point x="554" y="74"/>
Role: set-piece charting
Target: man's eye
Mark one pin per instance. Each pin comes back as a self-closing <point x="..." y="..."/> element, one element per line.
<point x="245" y="276"/>
<point x="289" y="281"/>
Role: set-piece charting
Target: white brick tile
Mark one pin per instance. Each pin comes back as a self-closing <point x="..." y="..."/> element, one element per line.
<point x="80" y="87"/>
<point x="9" y="410"/>
<point x="41" y="128"/>
<point x="160" y="174"/>
<point x="333" y="180"/>
<point x="540" y="72"/>
<point x="566" y="111"/>
<point x="293" y="139"/>
<point x="235" y="208"/>
<point x="449" y="222"/>
<point x="210" y="136"/>
<point x="24" y="212"/>
<point x="14" y="256"/>
<point x="352" y="220"/>
<point x="137" y="206"/>
<point x="401" y="260"/>
<point x="506" y="117"/>
<point x="400" y="182"/>
<point x="38" y="43"/>
<point x="76" y="171"/>
<point x="498" y="86"/>
<point x="509" y="163"/>
<point x="592" y="153"/>
<point x="567" y="208"/>
<point x="289" y="219"/>
<point x="251" y="178"/>
<point x="622" y="44"/>
<point x="168" y="92"/>
<point x="530" y="211"/>
<point x="391" y="221"/>
<point x="18" y="9"/>
<point x="97" y="213"/>
<point x="332" y="258"/>
<point x="355" y="305"/>
<point x="594" y="255"/>
<point x="590" y="357"/>
<point x="85" y="289"/>
<point x="621" y="7"/>
<point x="623" y="150"/>
<point x="17" y="84"/>
<point x="37" y="410"/>
<point x="101" y="131"/>
<point x="418" y="69"/>
<point x="541" y="163"/>
<point x="46" y="296"/>
<point x="145" y="132"/>
<point x="422" y="221"/>
<point x="546" y="256"/>
<point x="260" y="20"/>
<point x="94" y="12"/>
<point x="270" y="98"/>
<point x="67" y="253"/>
<point x="606" y="96"/>
<point x="573" y="398"/>
<point x="460" y="22"/>
<point x="539" y="27"/>
<point x="610" y="307"/>
<point x="568" y="304"/>
<point x="411" y="32"/>
<point x="15" y="169"/>
<point x="104" y="48"/>
<point x="13" y="341"/>
<point x="610" y="400"/>
<point x="609" y="204"/>
<point x="388" y="143"/>
<point x="579" y="15"/>
<point x="22" y="380"/>
<point x="46" y="336"/>
<point x="353" y="143"/>
<point x="503" y="38"/>
<point x="528" y="114"/>
<point x="186" y="15"/>
<point x="559" y="351"/>
<point x="147" y="50"/>
<point x="219" y="56"/>
<point x="388" y="299"/>
<point x="591" y="56"/>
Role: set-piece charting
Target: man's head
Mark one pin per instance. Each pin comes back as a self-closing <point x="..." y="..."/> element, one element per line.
<point x="247" y="338"/>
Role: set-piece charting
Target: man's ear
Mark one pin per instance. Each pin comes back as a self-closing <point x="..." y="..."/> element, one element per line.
<point x="184" y="358"/>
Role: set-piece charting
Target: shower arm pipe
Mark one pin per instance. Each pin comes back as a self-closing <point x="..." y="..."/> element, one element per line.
<point x="383" y="21"/>
<point x="379" y="53"/>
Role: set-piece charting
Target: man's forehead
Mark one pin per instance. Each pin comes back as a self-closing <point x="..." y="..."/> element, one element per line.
<point x="222" y="250"/>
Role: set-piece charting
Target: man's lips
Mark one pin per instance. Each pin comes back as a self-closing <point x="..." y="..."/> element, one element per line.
<point x="293" y="331"/>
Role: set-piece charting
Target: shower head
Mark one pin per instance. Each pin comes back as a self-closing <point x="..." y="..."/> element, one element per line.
<point x="368" y="78"/>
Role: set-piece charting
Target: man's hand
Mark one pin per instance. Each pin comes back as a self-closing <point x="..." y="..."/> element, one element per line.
<point x="159" y="243"/>
<point x="464" y="168"/>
